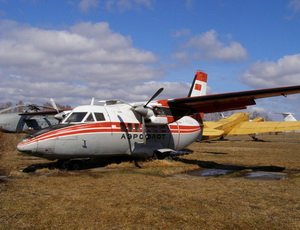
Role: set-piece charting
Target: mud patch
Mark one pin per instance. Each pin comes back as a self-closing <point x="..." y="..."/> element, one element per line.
<point x="210" y="172"/>
<point x="247" y="174"/>
<point x="3" y="179"/>
<point x="261" y="175"/>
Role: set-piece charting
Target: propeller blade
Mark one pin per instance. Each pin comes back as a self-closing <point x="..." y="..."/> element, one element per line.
<point x="144" y="130"/>
<point x="54" y="105"/>
<point x="154" y="96"/>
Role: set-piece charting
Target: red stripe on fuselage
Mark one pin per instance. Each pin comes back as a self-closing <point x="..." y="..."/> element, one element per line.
<point x="107" y="127"/>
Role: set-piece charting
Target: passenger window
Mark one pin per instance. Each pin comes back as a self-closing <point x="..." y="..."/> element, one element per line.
<point x="99" y="117"/>
<point x="130" y="127"/>
<point x="90" y="118"/>
<point x="137" y="127"/>
<point x="76" y="117"/>
<point x="123" y="127"/>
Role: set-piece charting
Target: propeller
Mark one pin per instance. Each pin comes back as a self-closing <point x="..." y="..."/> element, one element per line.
<point x="33" y="109"/>
<point x="154" y="96"/>
<point x="143" y="110"/>
<point x="54" y="105"/>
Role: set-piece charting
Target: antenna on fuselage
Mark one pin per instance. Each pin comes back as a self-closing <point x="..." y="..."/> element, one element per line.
<point x="93" y="101"/>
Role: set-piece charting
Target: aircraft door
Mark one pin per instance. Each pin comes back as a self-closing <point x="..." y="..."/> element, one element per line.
<point x="119" y="131"/>
<point x="128" y="133"/>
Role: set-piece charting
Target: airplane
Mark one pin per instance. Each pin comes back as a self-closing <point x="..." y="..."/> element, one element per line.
<point x="239" y="124"/>
<point x="156" y="128"/>
<point x="288" y="117"/>
<point x="32" y="118"/>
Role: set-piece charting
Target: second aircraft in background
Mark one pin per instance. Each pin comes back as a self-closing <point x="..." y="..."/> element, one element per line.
<point x="240" y="124"/>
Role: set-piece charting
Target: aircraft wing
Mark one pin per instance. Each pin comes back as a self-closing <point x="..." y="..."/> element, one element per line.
<point x="225" y="101"/>
<point x="211" y="132"/>
<point x="264" y="127"/>
<point x="212" y="124"/>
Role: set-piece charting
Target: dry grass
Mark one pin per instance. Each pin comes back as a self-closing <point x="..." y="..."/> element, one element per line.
<point x="156" y="196"/>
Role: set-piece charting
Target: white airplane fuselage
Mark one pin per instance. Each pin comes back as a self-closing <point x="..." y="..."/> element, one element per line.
<point x="95" y="131"/>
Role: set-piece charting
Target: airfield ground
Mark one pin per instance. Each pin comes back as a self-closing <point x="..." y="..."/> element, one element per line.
<point x="161" y="194"/>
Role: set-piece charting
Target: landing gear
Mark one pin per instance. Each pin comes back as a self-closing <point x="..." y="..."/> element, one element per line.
<point x="62" y="164"/>
<point x="222" y="138"/>
<point x="69" y="164"/>
<point x="29" y="169"/>
<point x="255" y="138"/>
<point x="136" y="163"/>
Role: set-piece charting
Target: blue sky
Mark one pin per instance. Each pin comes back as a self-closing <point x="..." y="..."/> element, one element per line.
<point x="73" y="50"/>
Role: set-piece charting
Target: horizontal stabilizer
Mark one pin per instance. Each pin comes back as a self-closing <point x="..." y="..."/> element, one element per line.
<point x="212" y="132"/>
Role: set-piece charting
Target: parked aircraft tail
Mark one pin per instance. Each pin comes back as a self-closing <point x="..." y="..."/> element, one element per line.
<point x="288" y="117"/>
<point x="199" y="86"/>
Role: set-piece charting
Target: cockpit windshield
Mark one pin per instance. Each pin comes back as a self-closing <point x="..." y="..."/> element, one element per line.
<point x="76" y="117"/>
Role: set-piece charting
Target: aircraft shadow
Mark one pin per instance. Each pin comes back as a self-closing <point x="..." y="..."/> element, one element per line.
<point x="235" y="140"/>
<point x="70" y="165"/>
<point x="216" y="153"/>
<point x="74" y="165"/>
<point x="214" y="165"/>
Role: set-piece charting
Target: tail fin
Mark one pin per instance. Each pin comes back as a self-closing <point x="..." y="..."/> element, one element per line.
<point x="199" y="85"/>
<point x="288" y="117"/>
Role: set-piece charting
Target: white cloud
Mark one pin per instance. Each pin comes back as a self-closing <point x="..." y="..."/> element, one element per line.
<point x="83" y="61"/>
<point x="145" y="90"/>
<point x="285" y="71"/>
<point x="124" y="5"/>
<point x="294" y="5"/>
<point x="267" y="74"/>
<point x="207" y="46"/>
<point x="189" y="4"/>
<point x="112" y="5"/>
<point x="181" y="33"/>
<point x="145" y="3"/>
<point x="75" y="64"/>
<point x="86" y="5"/>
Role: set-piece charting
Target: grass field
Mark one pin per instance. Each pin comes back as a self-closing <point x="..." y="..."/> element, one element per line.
<point x="161" y="194"/>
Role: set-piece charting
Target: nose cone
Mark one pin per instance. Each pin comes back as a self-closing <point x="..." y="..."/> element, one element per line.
<point x="27" y="147"/>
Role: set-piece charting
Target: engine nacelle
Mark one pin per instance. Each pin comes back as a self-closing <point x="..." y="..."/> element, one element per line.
<point x="151" y="117"/>
<point x="158" y="120"/>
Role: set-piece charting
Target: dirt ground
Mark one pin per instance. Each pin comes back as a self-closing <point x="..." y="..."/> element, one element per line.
<point x="163" y="194"/>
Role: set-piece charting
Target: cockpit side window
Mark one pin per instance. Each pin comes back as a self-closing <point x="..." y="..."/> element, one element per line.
<point x="90" y="118"/>
<point x="160" y="111"/>
<point x="76" y="117"/>
<point x="99" y="116"/>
